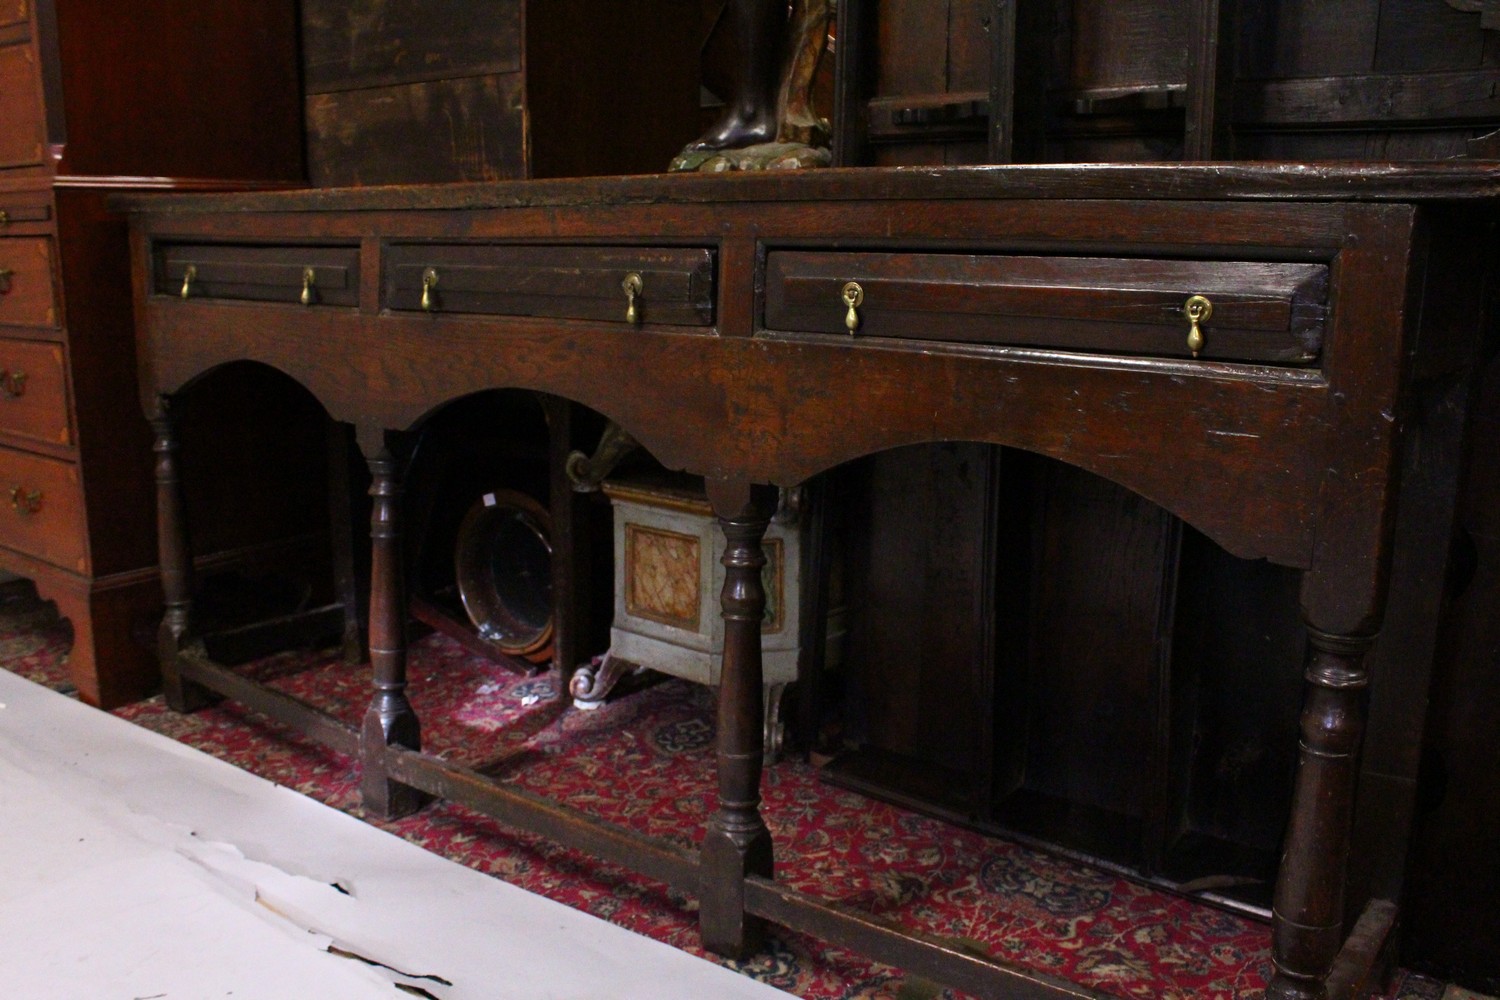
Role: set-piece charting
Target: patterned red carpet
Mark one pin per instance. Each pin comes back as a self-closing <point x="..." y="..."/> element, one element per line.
<point x="645" y="761"/>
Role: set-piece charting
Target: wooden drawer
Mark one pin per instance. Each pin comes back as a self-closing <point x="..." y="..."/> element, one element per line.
<point x="22" y="135"/>
<point x="23" y="208"/>
<point x="1264" y="312"/>
<point x="14" y="12"/>
<point x="41" y="509"/>
<point x="34" y="391"/>
<point x="310" y="275"/>
<point x="676" y="284"/>
<point x="26" y="282"/>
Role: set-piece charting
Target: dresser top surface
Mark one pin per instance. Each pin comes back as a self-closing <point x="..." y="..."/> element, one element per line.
<point x="1395" y="182"/>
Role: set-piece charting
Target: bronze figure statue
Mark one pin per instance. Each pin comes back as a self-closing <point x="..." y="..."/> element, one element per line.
<point x="775" y="49"/>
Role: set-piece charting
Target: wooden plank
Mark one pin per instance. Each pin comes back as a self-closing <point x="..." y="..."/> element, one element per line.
<point x="1300" y="38"/>
<point x="949" y="963"/>
<point x="448" y="130"/>
<point x="1427" y="37"/>
<point x="1373" y="99"/>
<point x="357" y="44"/>
<point x="307" y="720"/>
<point x="657" y="859"/>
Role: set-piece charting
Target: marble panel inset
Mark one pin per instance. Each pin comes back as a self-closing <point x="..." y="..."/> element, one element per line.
<point x="662" y="576"/>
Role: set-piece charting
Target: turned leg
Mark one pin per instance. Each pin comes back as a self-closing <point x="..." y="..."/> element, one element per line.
<point x="1309" y="904"/>
<point x="737" y="843"/>
<point x="389" y="721"/>
<point x="175" y="555"/>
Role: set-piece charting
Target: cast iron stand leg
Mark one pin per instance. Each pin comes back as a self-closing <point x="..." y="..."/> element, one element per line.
<point x="737" y="843"/>
<point x="1309" y="905"/>
<point x="389" y="719"/>
<point x="175" y="554"/>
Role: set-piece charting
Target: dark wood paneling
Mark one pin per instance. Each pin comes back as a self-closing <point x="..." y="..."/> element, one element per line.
<point x="372" y="43"/>
<point x="1293" y="38"/>
<point x="916" y="527"/>
<point x="1093" y="688"/>
<point x="611" y="86"/>
<point x="1128" y="45"/>
<point x="21" y="134"/>
<point x="1408" y="98"/>
<point x="1236" y="689"/>
<point x="181" y="89"/>
<point x="1453" y="917"/>
<point x="467" y="129"/>
<point x="1417" y="37"/>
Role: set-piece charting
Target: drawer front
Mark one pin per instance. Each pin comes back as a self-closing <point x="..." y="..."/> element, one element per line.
<point x="675" y="285"/>
<point x="26" y="282"/>
<point x="34" y="391"/>
<point x="41" y="509"/>
<point x="21" y="208"/>
<point x="1262" y="312"/>
<point x="14" y="12"/>
<point x="306" y="275"/>
<point x="22" y="135"/>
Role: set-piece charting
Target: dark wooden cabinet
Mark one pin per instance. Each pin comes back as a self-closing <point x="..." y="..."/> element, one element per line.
<point x="1149" y="639"/>
<point x="169" y="95"/>
<point x="1117" y="499"/>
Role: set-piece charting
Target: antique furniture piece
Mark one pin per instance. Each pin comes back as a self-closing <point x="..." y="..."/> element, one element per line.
<point x="667" y="581"/>
<point x="1057" y="310"/>
<point x="400" y="91"/>
<point x="978" y="707"/>
<point x="170" y="97"/>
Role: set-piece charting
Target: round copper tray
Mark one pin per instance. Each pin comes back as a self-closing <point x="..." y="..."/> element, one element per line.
<point x="503" y="562"/>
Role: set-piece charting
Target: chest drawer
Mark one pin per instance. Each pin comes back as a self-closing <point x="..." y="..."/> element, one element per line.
<point x="23" y="207"/>
<point x="34" y="390"/>
<point x="41" y="508"/>
<point x="309" y="275"/>
<point x="22" y="135"/>
<point x="671" y="285"/>
<point x="1262" y="312"/>
<point x="14" y="12"/>
<point x="26" y="282"/>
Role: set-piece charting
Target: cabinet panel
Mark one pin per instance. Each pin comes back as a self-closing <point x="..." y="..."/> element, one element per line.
<point x="22" y="136"/>
<point x="34" y="391"/>
<point x="311" y="275"/>
<point x="1260" y="311"/>
<point x="26" y="295"/>
<point x="14" y="12"/>
<point x="42" y="513"/>
<point x="674" y="285"/>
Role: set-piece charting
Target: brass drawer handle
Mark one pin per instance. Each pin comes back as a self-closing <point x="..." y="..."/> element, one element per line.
<point x="853" y="296"/>
<point x="189" y="275"/>
<point x="429" y="282"/>
<point x="12" y="383"/>
<point x="309" y="282"/>
<point x="633" y="286"/>
<point x="5" y="275"/>
<point x="26" y="502"/>
<point x="1197" y="309"/>
<point x="4" y="218"/>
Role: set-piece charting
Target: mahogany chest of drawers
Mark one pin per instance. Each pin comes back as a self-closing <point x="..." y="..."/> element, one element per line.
<point x="74" y="484"/>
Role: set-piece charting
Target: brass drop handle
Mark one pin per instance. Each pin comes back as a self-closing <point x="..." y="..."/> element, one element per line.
<point x="309" y="282"/>
<point x="189" y="275"/>
<point x="429" y="282"/>
<point x="1197" y="309"/>
<point x="12" y="383"/>
<point x="633" y="287"/>
<point x="854" y="297"/>
<point x="25" y="501"/>
<point x="4" y="218"/>
<point x="5" y="275"/>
